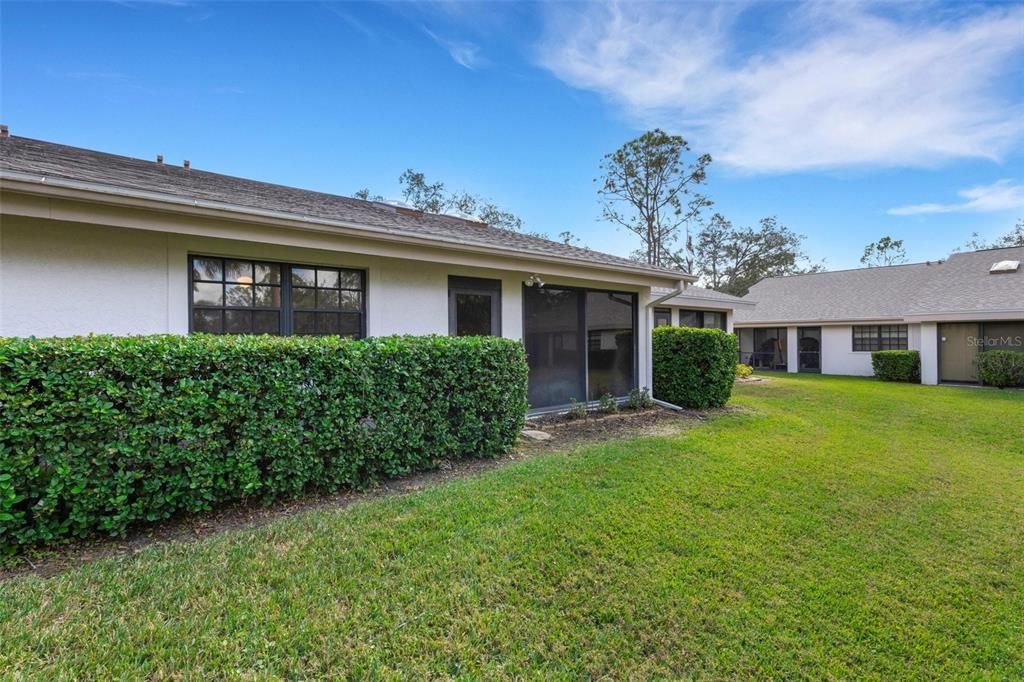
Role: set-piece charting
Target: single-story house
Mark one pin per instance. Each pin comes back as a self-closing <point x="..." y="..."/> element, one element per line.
<point x="829" y="322"/>
<point x="97" y="243"/>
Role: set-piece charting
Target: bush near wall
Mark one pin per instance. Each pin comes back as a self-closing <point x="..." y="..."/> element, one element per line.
<point x="897" y="365"/>
<point x="694" y="367"/>
<point x="1001" y="368"/>
<point x="100" y="433"/>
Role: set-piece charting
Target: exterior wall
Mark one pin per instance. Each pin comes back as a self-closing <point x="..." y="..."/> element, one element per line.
<point x="62" y="279"/>
<point x="792" y="351"/>
<point x="838" y="356"/>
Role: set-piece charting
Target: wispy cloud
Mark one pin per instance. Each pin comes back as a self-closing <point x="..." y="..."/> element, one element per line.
<point x="840" y="85"/>
<point x="1002" y="195"/>
<point x="463" y="53"/>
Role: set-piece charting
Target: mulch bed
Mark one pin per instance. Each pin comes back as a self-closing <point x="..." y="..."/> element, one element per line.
<point x="565" y="435"/>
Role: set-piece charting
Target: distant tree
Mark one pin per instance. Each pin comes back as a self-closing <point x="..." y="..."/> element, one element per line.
<point x="1014" y="237"/>
<point x="648" y="186"/>
<point x="365" y="195"/>
<point x="732" y="260"/>
<point x="886" y="251"/>
<point x="433" y="197"/>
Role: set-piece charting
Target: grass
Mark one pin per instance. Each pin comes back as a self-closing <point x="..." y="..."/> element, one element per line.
<point x="835" y="528"/>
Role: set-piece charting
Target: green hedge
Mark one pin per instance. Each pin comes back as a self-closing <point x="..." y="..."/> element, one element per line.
<point x="1001" y="368"/>
<point x="100" y="433"/>
<point x="897" y="365"/>
<point x="694" y="367"/>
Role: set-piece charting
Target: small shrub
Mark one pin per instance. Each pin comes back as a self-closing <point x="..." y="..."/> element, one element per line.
<point x="101" y="433"/>
<point x="639" y="399"/>
<point x="743" y="371"/>
<point x="608" y="404"/>
<point x="897" y="365"/>
<point x="694" y="367"/>
<point x="577" y="410"/>
<point x="1001" y="368"/>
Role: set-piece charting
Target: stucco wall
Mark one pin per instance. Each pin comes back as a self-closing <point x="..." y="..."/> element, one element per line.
<point x="61" y="279"/>
<point x="838" y="356"/>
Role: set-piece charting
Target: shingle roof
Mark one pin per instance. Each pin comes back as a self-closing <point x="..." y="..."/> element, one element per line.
<point x="51" y="160"/>
<point x="695" y="292"/>
<point x="960" y="284"/>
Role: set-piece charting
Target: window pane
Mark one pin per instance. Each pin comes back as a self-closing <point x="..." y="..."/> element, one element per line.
<point x="662" y="317"/>
<point x="689" y="318"/>
<point x="351" y="324"/>
<point x="352" y="301"/>
<point x="207" y="269"/>
<point x="208" y="321"/>
<point x="351" y="279"/>
<point x="238" y="295"/>
<point x="304" y="277"/>
<point x="304" y="323"/>
<point x="237" y="321"/>
<point x="610" y="349"/>
<point x="268" y="297"/>
<point x="552" y="331"/>
<point x="473" y="315"/>
<point x="327" y="279"/>
<point x="327" y="298"/>
<point x="327" y="323"/>
<point x="303" y="298"/>
<point x="1004" y="336"/>
<point x="238" y="271"/>
<point x="268" y="273"/>
<point x="713" y="320"/>
<point x="266" y="322"/>
<point x="207" y="294"/>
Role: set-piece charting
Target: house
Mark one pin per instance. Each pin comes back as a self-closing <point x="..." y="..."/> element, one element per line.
<point x="830" y="322"/>
<point x="97" y="243"/>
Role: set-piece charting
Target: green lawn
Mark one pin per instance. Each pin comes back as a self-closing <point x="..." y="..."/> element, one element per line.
<point x="835" y="528"/>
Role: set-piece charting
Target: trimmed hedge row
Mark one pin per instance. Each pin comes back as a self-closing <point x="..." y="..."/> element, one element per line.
<point x="1001" y="368"/>
<point x="694" y="367"/>
<point x="897" y="365"/>
<point x="99" y="433"/>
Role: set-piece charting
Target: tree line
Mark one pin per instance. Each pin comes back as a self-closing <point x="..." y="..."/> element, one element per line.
<point x="653" y="186"/>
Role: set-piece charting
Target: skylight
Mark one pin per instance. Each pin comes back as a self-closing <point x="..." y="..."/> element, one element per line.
<point x="1005" y="266"/>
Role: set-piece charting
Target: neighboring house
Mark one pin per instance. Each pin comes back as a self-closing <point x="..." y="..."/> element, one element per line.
<point x="830" y="322"/>
<point x="699" y="307"/>
<point x="97" y="243"/>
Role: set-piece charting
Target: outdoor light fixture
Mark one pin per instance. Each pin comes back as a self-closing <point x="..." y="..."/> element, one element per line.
<point x="534" y="280"/>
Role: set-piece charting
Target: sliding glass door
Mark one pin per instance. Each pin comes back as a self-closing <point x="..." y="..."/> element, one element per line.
<point x="580" y="344"/>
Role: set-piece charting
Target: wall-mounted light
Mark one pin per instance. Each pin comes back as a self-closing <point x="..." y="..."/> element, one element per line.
<point x="534" y="280"/>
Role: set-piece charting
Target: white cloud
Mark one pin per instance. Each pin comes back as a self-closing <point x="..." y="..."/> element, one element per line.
<point x="1003" y="195"/>
<point x="837" y="86"/>
<point x="463" y="53"/>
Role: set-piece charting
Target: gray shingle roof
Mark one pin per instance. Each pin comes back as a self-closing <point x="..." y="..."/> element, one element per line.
<point x="695" y="292"/>
<point x="960" y="284"/>
<point x="51" y="160"/>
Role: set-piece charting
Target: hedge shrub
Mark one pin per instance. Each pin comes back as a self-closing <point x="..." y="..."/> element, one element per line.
<point x="99" y="433"/>
<point x="694" y="367"/>
<point x="1001" y="368"/>
<point x="897" y="365"/>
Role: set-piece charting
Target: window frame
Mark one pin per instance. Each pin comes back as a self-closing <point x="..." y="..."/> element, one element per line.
<point x="880" y="341"/>
<point x="662" y="311"/>
<point x="474" y="286"/>
<point x="285" y="309"/>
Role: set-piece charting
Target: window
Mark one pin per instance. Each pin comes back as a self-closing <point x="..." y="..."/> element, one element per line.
<point x="662" y="317"/>
<point x="474" y="306"/>
<point x="764" y="348"/>
<point x="880" y="337"/>
<point x="231" y="296"/>
<point x="702" y="318"/>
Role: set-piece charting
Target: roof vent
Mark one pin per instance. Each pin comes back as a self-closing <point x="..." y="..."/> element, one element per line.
<point x="159" y="158"/>
<point x="1005" y="266"/>
<point x="3" y="131"/>
<point x="187" y="163"/>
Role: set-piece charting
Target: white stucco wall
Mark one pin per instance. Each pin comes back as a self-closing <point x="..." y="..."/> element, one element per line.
<point x="62" y="279"/>
<point x="838" y="356"/>
<point x="928" y="344"/>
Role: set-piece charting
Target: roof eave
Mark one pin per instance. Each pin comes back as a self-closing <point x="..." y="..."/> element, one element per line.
<point x="35" y="184"/>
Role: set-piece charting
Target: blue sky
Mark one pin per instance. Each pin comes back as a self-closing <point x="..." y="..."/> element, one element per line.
<point x="847" y="121"/>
